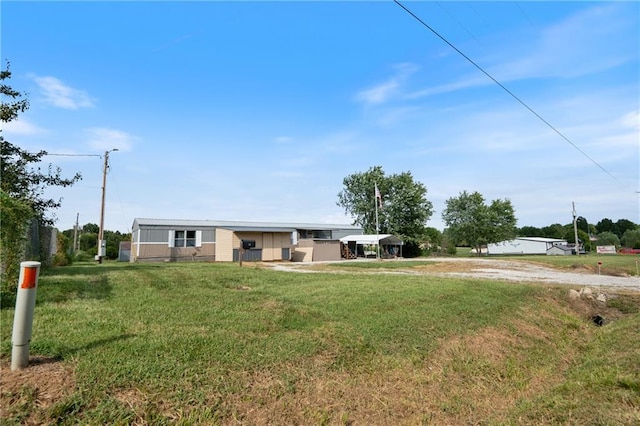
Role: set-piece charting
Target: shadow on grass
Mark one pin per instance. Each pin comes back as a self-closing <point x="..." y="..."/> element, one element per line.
<point x="50" y="351"/>
<point x="83" y="281"/>
<point x="98" y="343"/>
<point x="94" y="268"/>
<point x="62" y="289"/>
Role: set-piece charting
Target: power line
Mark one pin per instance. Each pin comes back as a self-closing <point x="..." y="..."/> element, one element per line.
<point x="505" y="89"/>
<point x="73" y="155"/>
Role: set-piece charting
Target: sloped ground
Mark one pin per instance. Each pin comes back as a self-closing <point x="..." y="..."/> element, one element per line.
<point x="483" y="378"/>
<point x="507" y="270"/>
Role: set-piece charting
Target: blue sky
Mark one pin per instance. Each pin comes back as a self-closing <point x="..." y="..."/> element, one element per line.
<point x="258" y="110"/>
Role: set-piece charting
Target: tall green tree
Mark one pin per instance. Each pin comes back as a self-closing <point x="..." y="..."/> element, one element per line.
<point x="624" y="225"/>
<point x="403" y="208"/>
<point x="13" y="101"/>
<point x="22" y="179"/>
<point x="606" y="225"/>
<point x="631" y="239"/>
<point x="554" y="231"/>
<point x="469" y="219"/>
<point x="530" y="231"/>
<point x="22" y="186"/>
<point x="608" y="238"/>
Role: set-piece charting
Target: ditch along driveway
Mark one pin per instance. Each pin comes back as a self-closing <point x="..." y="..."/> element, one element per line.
<point x="482" y="268"/>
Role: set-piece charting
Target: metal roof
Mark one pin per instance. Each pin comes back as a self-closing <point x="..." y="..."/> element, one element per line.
<point x="241" y="225"/>
<point x="257" y="229"/>
<point x="373" y="239"/>
<point x="542" y="239"/>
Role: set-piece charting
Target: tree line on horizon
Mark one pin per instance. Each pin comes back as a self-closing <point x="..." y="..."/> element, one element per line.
<point x="397" y="204"/>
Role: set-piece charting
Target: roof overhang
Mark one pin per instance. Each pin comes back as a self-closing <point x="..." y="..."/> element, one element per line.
<point x="386" y="239"/>
<point x="257" y="229"/>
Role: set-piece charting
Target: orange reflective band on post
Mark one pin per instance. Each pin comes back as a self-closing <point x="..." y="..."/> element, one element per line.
<point x="29" y="278"/>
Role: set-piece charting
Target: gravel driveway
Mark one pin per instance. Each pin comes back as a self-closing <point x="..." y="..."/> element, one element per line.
<point x="528" y="272"/>
<point x="511" y="270"/>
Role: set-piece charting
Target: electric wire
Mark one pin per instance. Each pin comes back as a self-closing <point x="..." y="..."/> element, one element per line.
<point x="458" y="22"/>
<point x="73" y="155"/>
<point x="513" y="95"/>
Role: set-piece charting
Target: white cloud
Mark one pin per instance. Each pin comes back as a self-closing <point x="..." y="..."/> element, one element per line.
<point x="282" y="140"/>
<point x="631" y="120"/>
<point x="107" y="139"/>
<point x="60" y="95"/>
<point x="383" y="92"/>
<point x="378" y="94"/>
<point x="587" y="42"/>
<point x="21" y="127"/>
<point x="466" y="83"/>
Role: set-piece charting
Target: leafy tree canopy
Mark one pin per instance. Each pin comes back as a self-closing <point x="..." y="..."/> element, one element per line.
<point x="21" y="179"/>
<point x="403" y="208"/>
<point x="13" y="101"/>
<point x="469" y="219"/>
<point x="624" y="225"/>
<point x="631" y="239"/>
<point x="606" y="225"/>
<point x="608" y="238"/>
<point x="530" y="231"/>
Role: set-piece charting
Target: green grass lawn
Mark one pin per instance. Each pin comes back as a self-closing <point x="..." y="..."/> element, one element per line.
<point x="210" y="343"/>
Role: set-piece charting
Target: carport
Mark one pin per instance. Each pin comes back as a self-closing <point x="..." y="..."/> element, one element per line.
<point x="357" y="245"/>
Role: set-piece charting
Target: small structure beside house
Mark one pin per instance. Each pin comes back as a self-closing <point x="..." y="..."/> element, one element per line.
<point x="364" y="245"/>
<point x="560" y="250"/>
<point x="528" y="245"/>
<point x="167" y="240"/>
<point x="124" y="251"/>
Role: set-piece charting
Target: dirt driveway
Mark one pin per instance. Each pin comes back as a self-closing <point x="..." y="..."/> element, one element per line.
<point x="494" y="269"/>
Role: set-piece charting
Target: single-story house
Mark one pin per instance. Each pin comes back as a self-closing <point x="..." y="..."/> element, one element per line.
<point x="356" y="245"/>
<point x="525" y="245"/>
<point x="222" y="241"/>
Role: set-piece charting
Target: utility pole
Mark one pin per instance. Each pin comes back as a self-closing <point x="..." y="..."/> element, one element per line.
<point x="575" y="228"/>
<point x="101" y="243"/>
<point x="75" y="235"/>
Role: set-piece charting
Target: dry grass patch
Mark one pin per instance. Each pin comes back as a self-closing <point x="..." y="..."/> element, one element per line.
<point x="469" y="379"/>
<point x="27" y="393"/>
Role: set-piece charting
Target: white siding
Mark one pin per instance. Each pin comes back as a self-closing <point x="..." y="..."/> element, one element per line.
<point x="523" y="246"/>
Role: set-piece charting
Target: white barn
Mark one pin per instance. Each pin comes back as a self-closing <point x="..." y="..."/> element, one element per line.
<point x="525" y="245"/>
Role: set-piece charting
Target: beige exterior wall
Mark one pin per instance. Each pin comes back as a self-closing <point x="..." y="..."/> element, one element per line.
<point x="225" y="242"/>
<point x="321" y="250"/>
<point x="302" y="254"/>
<point x="271" y="243"/>
<point x="326" y="250"/>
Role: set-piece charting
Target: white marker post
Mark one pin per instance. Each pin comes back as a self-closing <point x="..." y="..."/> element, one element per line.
<point x="23" y="317"/>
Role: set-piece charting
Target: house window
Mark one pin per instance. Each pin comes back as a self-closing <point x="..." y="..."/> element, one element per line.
<point x="316" y="235"/>
<point x="322" y="235"/>
<point x="184" y="239"/>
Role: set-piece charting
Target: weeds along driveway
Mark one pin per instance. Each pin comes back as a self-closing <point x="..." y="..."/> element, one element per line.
<point x="490" y="269"/>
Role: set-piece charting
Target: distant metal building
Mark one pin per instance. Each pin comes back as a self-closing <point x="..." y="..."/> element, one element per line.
<point x="212" y="240"/>
<point x="525" y="245"/>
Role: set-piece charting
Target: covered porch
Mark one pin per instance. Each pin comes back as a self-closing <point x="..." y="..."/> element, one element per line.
<point x="370" y="245"/>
